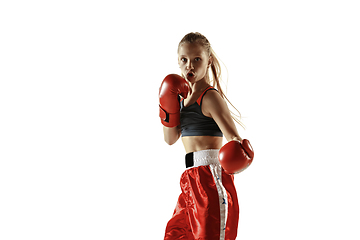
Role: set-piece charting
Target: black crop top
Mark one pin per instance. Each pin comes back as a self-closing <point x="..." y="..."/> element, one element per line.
<point x="194" y="123"/>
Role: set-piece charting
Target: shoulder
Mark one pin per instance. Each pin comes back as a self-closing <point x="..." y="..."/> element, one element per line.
<point x="212" y="96"/>
<point x="213" y="103"/>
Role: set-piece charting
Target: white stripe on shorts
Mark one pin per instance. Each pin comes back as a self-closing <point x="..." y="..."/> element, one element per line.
<point x="210" y="157"/>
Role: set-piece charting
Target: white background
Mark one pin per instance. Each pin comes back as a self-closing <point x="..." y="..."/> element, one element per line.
<point x="82" y="154"/>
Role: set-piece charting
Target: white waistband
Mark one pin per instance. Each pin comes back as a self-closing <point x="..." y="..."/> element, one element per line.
<point x="206" y="157"/>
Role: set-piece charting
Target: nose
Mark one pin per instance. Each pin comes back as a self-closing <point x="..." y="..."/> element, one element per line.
<point x="189" y="65"/>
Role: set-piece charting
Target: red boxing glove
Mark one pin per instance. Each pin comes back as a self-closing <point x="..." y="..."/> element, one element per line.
<point x="172" y="86"/>
<point x="236" y="156"/>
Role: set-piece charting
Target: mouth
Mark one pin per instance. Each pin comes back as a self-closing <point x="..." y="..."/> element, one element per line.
<point x="190" y="75"/>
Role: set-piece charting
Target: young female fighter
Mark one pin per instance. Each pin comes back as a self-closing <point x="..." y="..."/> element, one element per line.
<point x="207" y="207"/>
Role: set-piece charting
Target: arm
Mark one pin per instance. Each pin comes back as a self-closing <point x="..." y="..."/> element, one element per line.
<point x="171" y="135"/>
<point x="237" y="154"/>
<point x="214" y="106"/>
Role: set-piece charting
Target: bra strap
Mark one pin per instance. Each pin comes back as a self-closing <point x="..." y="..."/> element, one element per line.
<point x="201" y="96"/>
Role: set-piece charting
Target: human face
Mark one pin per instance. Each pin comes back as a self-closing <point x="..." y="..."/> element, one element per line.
<point x="193" y="61"/>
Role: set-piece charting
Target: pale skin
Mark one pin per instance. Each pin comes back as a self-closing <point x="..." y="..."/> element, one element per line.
<point x="194" y="63"/>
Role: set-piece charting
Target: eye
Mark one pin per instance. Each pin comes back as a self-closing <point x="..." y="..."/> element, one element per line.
<point x="197" y="59"/>
<point x="183" y="59"/>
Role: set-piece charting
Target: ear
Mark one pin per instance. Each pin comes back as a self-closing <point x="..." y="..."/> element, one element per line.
<point x="210" y="61"/>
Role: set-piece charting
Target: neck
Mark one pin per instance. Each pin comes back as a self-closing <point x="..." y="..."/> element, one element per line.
<point x="199" y="85"/>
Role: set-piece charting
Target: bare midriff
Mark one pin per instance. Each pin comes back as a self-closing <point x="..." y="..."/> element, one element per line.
<point x="198" y="143"/>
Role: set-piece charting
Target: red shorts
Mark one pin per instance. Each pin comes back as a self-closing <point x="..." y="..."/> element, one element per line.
<point x="208" y="206"/>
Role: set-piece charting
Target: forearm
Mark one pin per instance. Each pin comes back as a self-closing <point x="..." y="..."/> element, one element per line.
<point x="171" y="135"/>
<point x="237" y="137"/>
<point x="232" y="135"/>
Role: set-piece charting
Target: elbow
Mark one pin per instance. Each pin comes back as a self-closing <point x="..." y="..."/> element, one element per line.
<point x="171" y="135"/>
<point x="169" y="142"/>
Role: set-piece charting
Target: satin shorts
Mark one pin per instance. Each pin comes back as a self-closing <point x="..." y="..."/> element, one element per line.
<point x="207" y="207"/>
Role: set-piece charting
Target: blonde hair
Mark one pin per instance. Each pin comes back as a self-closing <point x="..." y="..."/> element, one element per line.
<point x="215" y="68"/>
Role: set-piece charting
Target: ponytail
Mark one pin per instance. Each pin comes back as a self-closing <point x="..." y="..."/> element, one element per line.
<point x="215" y="69"/>
<point x="215" y="82"/>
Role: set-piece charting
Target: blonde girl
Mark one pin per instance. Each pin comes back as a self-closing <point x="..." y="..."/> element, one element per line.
<point x="208" y="206"/>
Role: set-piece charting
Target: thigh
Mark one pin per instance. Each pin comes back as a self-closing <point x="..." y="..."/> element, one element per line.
<point x="232" y="205"/>
<point x="202" y="202"/>
<point x="178" y="226"/>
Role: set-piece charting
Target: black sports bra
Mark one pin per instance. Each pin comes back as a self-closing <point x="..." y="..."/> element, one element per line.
<point x="194" y="123"/>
